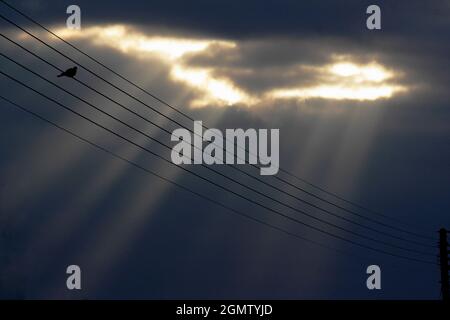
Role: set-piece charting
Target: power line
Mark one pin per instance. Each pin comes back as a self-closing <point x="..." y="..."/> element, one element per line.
<point x="219" y="173"/>
<point x="157" y="111"/>
<point x="216" y="184"/>
<point x="148" y="171"/>
<point x="168" y="132"/>
<point x="281" y="214"/>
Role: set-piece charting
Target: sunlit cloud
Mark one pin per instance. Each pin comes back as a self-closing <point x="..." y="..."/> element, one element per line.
<point x="346" y="81"/>
<point x="360" y="73"/>
<point x="340" y="80"/>
<point x="215" y="90"/>
<point x="339" y="92"/>
<point x="128" y="40"/>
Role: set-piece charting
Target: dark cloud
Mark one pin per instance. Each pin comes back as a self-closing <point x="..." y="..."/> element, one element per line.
<point x="254" y="19"/>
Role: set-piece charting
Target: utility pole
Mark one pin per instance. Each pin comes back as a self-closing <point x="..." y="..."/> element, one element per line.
<point x="443" y="261"/>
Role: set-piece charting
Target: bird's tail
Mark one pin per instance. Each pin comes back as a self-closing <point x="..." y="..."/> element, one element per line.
<point x="60" y="75"/>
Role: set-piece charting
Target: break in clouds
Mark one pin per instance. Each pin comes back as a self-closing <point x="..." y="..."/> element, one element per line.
<point x="252" y="72"/>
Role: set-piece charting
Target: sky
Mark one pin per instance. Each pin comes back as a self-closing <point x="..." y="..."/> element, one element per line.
<point x="362" y="113"/>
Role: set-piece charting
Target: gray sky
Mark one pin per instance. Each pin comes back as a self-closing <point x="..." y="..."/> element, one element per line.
<point x="361" y="113"/>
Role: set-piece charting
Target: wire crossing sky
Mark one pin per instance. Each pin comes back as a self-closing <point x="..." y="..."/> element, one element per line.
<point x="136" y="99"/>
<point x="309" y="203"/>
<point x="299" y="211"/>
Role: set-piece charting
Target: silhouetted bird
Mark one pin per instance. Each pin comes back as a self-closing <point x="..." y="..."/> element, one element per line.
<point x="69" y="73"/>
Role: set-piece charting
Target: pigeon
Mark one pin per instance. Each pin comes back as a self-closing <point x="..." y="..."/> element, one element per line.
<point x="69" y="73"/>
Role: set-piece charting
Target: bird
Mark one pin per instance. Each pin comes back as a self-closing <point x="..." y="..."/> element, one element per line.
<point x="69" y="73"/>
